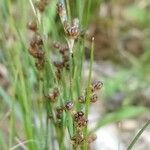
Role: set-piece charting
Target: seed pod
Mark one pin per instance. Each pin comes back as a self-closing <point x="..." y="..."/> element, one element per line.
<point x="36" y="41"/>
<point x="72" y="32"/>
<point x="32" y="25"/>
<point x="69" y="105"/>
<point x="82" y="122"/>
<point x="78" y="116"/>
<point x="36" y="53"/>
<point x="77" y="139"/>
<point x="94" y="98"/>
<point x="97" y="85"/>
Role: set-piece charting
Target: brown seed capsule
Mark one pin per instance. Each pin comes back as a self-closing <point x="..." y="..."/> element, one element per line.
<point x="36" y="41"/>
<point x="32" y="25"/>
<point x="94" y="98"/>
<point x="72" y="31"/>
<point x="36" y="53"/>
<point x="97" y="85"/>
<point x="69" y="105"/>
<point x="78" y="116"/>
<point x="53" y="95"/>
<point x="77" y="139"/>
<point x="82" y="122"/>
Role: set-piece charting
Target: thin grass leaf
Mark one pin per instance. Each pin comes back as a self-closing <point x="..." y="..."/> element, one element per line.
<point x="121" y="114"/>
<point x="138" y="135"/>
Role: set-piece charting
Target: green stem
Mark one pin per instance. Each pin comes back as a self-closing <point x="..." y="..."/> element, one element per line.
<point x="88" y="92"/>
<point x="138" y="135"/>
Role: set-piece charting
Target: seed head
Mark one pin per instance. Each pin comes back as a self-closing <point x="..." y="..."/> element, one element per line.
<point x="32" y="25"/>
<point x="53" y="95"/>
<point x="36" y="53"/>
<point x="97" y="85"/>
<point x="77" y="139"/>
<point x="69" y="105"/>
<point x="94" y="98"/>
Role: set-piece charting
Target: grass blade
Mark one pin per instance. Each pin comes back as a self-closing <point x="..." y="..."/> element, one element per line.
<point x="138" y="135"/>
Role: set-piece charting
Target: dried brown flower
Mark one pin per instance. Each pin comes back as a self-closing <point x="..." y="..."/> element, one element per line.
<point x="97" y="85"/>
<point x="32" y="25"/>
<point x="69" y="105"/>
<point x="94" y="98"/>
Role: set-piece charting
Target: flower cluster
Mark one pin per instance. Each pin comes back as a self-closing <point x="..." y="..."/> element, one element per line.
<point x="53" y="95"/>
<point x="36" y="45"/>
<point x="60" y="65"/>
<point x="95" y="86"/>
<point x="72" y="29"/>
<point x="80" y="121"/>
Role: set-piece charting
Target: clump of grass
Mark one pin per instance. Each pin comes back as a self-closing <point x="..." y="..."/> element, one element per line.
<point x="66" y="106"/>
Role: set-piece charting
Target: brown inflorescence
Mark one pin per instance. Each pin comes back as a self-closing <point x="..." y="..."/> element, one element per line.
<point x="97" y="85"/>
<point x="72" y="30"/>
<point x="80" y="120"/>
<point x="35" y="50"/>
<point x="69" y="105"/>
<point x="53" y="96"/>
<point x="77" y="139"/>
<point x="60" y="65"/>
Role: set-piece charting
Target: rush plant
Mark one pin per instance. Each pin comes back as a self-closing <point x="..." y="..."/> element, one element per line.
<point x="63" y="98"/>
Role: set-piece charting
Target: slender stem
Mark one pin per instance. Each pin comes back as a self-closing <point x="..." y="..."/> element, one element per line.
<point x="138" y="135"/>
<point x="88" y="90"/>
<point x="47" y="131"/>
